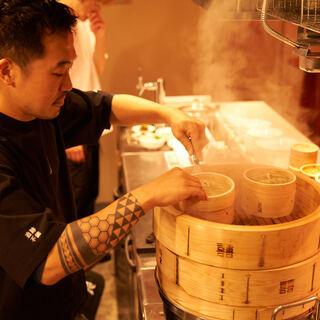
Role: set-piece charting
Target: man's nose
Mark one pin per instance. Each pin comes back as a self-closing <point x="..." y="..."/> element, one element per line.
<point x="67" y="83"/>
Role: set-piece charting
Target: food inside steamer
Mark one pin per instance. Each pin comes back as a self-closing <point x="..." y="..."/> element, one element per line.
<point x="272" y="177"/>
<point x="213" y="188"/>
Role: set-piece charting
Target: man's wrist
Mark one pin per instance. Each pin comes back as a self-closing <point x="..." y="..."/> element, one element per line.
<point x="144" y="198"/>
<point x="168" y="114"/>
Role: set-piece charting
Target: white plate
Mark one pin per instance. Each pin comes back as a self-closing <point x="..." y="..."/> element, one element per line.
<point x="165" y="132"/>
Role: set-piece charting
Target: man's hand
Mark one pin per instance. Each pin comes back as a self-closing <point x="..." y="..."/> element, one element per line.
<point x="98" y="28"/>
<point x="97" y="24"/>
<point x="130" y="110"/>
<point x="170" y="188"/>
<point x="76" y="154"/>
<point x="190" y="131"/>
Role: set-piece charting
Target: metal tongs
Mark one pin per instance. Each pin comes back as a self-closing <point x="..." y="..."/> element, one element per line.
<point x="195" y="162"/>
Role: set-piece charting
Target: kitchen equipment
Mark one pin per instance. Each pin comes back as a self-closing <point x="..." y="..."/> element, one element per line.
<point x="157" y="87"/>
<point x="284" y="285"/>
<point x="174" y="312"/>
<point x="244" y="270"/>
<point x="303" y="153"/>
<point x="304" y="13"/>
<point x="268" y="192"/>
<point x="311" y="170"/>
<point x="220" y="204"/>
<point x="264" y="242"/>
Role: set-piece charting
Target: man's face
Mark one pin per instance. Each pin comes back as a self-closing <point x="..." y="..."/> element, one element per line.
<point x="40" y="90"/>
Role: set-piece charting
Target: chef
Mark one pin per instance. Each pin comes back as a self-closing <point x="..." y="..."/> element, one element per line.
<point x="44" y="248"/>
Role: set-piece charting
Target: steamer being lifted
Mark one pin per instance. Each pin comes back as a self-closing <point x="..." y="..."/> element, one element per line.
<point x="245" y="270"/>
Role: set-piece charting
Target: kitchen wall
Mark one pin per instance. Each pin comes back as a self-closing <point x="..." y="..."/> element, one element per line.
<point x="155" y="36"/>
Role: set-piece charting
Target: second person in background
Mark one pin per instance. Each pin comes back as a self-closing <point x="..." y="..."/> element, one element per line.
<point x="90" y="46"/>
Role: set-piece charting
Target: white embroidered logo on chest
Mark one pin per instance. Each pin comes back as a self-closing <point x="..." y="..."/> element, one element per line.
<point x="33" y="234"/>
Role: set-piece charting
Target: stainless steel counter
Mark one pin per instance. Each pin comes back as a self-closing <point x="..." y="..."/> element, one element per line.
<point x="140" y="168"/>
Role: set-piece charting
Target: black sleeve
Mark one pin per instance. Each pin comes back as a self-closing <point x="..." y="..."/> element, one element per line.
<point x="84" y="116"/>
<point x="28" y="231"/>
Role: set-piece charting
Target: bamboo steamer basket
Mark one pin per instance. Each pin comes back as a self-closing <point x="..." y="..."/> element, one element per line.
<point x="303" y="153"/>
<point x="220" y="206"/>
<point x="245" y="270"/>
<point x="268" y="200"/>
<point x="311" y="170"/>
<point x="214" y="311"/>
<point x="232" y="287"/>
<point x="250" y="242"/>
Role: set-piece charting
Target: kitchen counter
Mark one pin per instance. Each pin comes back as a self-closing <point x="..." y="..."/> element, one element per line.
<point x="137" y="171"/>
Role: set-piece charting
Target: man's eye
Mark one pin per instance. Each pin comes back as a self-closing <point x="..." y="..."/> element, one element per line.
<point x="58" y="74"/>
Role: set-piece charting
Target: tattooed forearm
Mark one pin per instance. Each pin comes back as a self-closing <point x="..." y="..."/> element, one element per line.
<point x="85" y="240"/>
<point x="68" y="257"/>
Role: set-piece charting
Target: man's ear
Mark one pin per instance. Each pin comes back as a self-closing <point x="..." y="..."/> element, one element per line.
<point x="7" y="71"/>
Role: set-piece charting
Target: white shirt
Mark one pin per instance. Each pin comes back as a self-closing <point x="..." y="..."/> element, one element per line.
<point x="83" y="73"/>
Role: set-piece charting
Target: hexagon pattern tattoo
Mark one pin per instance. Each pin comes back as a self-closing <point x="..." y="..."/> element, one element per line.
<point x="84" y="241"/>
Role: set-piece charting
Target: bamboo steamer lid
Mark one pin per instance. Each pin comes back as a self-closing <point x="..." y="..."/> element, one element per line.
<point x="254" y="288"/>
<point x="268" y="192"/>
<point x="214" y="311"/>
<point x="220" y="204"/>
<point x="303" y="153"/>
<point x="236" y="246"/>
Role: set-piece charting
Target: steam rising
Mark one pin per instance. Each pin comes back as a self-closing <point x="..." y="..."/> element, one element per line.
<point x="237" y="60"/>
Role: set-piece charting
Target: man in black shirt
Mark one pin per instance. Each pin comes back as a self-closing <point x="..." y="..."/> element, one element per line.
<point x="44" y="248"/>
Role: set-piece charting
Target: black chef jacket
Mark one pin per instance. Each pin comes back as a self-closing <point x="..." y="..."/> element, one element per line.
<point x="36" y="203"/>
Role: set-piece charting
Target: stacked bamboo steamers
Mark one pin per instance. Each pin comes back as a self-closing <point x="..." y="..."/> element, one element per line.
<point x="254" y="248"/>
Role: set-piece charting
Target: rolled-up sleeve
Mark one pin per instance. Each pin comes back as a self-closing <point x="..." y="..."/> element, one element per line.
<point x="84" y="116"/>
<point x="28" y="231"/>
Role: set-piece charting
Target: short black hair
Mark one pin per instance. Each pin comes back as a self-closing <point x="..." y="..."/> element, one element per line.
<point x="24" y="23"/>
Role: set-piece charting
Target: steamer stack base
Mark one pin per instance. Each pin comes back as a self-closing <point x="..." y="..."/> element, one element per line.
<point x="247" y="269"/>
